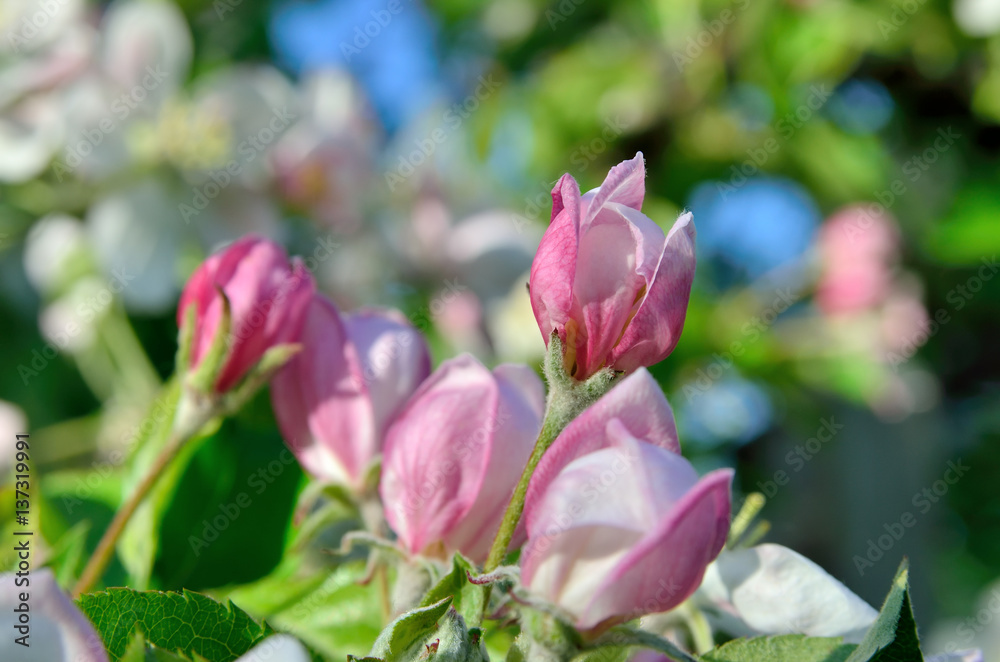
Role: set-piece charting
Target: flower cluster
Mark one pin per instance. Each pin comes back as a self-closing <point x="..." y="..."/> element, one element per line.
<point x="581" y="488"/>
<point x="616" y="522"/>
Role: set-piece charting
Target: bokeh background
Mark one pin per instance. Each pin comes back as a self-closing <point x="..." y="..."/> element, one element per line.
<point x="842" y="345"/>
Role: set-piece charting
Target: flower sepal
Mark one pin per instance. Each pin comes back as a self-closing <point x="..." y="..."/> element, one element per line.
<point x="260" y="374"/>
<point x="202" y="378"/>
<point x="546" y="637"/>
<point x="436" y="632"/>
<point x="568" y="397"/>
<point x="549" y="635"/>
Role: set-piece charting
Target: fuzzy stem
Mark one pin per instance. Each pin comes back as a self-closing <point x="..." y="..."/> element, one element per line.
<point x="550" y="430"/>
<point x="566" y="400"/>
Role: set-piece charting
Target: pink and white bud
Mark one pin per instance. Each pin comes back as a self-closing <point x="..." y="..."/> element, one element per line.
<point x="455" y="453"/>
<point x="268" y="297"/>
<point x="607" y="280"/>
<point x="335" y="398"/>
<point x="618" y="522"/>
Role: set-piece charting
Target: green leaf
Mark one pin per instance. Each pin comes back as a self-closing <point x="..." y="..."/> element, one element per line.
<point x="236" y="493"/>
<point x="409" y="631"/>
<point x="893" y="636"/>
<point x="783" y="648"/>
<point x="187" y="623"/>
<point x="468" y="599"/>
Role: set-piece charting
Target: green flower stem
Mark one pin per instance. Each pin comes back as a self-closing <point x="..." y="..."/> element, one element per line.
<point x="698" y="626"/>
<point x="550" y="430"/>
<point x="567" y="399"/>
<point x="185" y="427"/>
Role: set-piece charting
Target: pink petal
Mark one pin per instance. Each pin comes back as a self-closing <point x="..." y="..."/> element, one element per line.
<point x="552" y="271"/>
<point x="269" y="300"/>
<point x="524" y="381"/>
<point x="638" y="402"/>
<point x="654" y="331"/>
<point x="668" y="565"/>
<point x="320" y="401"/>
<point x="620" y="250"/>
<point x="437" y="451"/>
<point x="394" y="356"/>
<point x="625" y="184"/>
<point x="200" y="290"/>
<point x="515" y="429"/>
<point x="604" y="291"/>
<point x="597" y="508"/>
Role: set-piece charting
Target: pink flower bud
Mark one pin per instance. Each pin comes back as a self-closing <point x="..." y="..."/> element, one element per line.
<point x="618" y="523"/>
<point x="335" y="399"/>
<point x="607" y="280"/>
<point x="455" y="453"/>
<point x="268" y="297"/>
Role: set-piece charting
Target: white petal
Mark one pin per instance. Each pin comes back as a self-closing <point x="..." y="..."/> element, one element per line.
<point x="12" y="423"/>
<point x="146" y="44"/>
<point x="49" y="249"/>
<point x="977" y="18"/>
<point x="277" y="648"/>
<point x="58" y="629"/>
<point x="770" y="589"/>
<point x="135" y="233"/>
<point x="958" y="656"/>
<point x="30" y="134"/>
